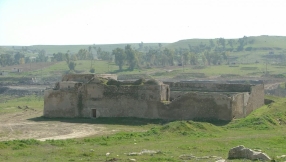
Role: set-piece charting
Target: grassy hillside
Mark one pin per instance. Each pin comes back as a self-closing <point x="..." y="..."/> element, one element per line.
<point x="264" y="130"/>
<point x="258" y="42"/>
<point x="50" y="49"/>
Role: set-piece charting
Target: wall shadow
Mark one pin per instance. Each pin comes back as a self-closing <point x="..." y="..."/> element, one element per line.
<point x="105" y="120"/>
<point x="131" y="121"/>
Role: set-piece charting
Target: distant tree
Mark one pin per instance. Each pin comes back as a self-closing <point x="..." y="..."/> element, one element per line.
<point x="216" y="58"/>
<point x="83" y="54"/>
<point x="17" y="57"/>
<point x="67" y="58"/>
<point x="94" y="47"/>
<point x="151" y="57"/>
<point x="208" y="57"/>
<point x="42" y="56"/>
<point x="104" y="55"/>
<point x="160" y="45"/>
<point x="72" y="65"/>
<point x="241" y="44"/>
<point x="185" y="57"/>
<point x="193" y="59"/>
<point x="27" y="59"/>
<point x="89" y="49"/>
<point x="170" y="56"/>
<point x="222" y="42"/>
<point x="120" y="57"/>
<point x="131" y="57"/>
<point x="58" y="56"/>
<point x="211" y="42"/>
<point x="204" y="59"/>
<point x="73" y="57"/>
<point x="230" y="43"/>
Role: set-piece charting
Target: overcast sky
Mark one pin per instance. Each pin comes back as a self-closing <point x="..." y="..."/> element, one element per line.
<point x="57" y="22"/>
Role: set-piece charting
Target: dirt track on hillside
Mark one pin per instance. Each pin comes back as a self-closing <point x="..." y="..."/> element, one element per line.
<point x="20" y="126"/>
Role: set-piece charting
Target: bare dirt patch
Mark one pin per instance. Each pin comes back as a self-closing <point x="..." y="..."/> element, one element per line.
<point x="18" y="126"/>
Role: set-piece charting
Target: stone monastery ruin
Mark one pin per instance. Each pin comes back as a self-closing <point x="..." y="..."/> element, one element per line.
<point x="91" y="95"/>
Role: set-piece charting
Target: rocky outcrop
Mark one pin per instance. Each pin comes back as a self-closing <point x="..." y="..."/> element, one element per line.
<point x="240" y="152"/>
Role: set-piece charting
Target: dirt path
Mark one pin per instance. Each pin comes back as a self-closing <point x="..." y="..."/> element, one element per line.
<point x="18" y="126"/>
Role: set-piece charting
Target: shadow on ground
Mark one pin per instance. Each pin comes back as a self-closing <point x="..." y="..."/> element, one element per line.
<point x="105" y="120"/>
<point x="121" y="121"/>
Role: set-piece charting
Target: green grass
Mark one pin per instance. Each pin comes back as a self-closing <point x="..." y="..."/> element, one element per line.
<point x="178" y="72"/>
<point x="12" y="104"/>
<point x="260" y="130"/>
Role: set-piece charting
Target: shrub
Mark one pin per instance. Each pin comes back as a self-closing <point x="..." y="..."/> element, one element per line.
<point x="92" y="70"/>
<point x="139" y="81"/>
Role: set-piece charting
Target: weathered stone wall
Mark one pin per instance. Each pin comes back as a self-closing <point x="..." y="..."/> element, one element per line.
<point x="86" y="77"/>
<point x="218" y="101"/>
<point x="141" y="92"/>
<point x="208" y="87"/>
<point x="122" y="107"/>
<point x="195" y="105"/>
<point x="69" y="85"/>
<point x="60" y="103"/>
<point x="93" y="90"/>
<point x="189" y="106"/>
<point x="256" y="98"/>
<point x="238" y="106"/>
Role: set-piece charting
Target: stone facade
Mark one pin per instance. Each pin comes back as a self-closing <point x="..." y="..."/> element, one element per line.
<point x="103" y="96"/>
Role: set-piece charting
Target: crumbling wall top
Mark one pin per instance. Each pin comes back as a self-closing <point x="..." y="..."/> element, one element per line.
<point x="86" y="77"/>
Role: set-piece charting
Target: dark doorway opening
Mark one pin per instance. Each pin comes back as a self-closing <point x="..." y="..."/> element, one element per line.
<point x="93" y="113"/>
<point x="167" y="95"/>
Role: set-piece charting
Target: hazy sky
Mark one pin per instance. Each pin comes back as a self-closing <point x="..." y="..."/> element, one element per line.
<point x="33" y="22"/>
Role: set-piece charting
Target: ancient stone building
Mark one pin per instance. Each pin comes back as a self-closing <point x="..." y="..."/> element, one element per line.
<point x="89" y="95"/>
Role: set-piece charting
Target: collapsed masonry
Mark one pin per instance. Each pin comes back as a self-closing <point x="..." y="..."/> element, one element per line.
<point x="89" y="95"/>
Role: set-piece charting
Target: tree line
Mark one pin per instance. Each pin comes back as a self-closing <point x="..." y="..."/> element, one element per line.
<point x="212" y="53"/>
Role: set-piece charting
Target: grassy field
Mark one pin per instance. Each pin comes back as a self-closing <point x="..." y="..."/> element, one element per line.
<point x="264" y="129"/>
<point x="10" y="104"/>
<point x="168" y="72"/>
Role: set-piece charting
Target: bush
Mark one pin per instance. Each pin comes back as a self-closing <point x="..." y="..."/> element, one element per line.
<point x="139" y="81"/>
<point x="113" y="82"/>
<point x="92" y="70"/>
<point x="152" y="82"/>
<point x="72" y="65"/>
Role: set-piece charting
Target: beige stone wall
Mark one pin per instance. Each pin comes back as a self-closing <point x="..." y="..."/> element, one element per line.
<point x="256" y="98"/>
<point x="60" y="103"/>
<point x="67" y="85"/>
<point x="198" y="106"/>
<point x="238" y="106"/>
<point x="190" y="106"/>
<point x="122" y="107"/>
<point x="94" y="91"/>
<point x="149" y="101"/>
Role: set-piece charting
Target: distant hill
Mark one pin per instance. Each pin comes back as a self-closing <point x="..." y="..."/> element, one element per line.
<point x="259" y="42"/>
<point x="50" y="49"/>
